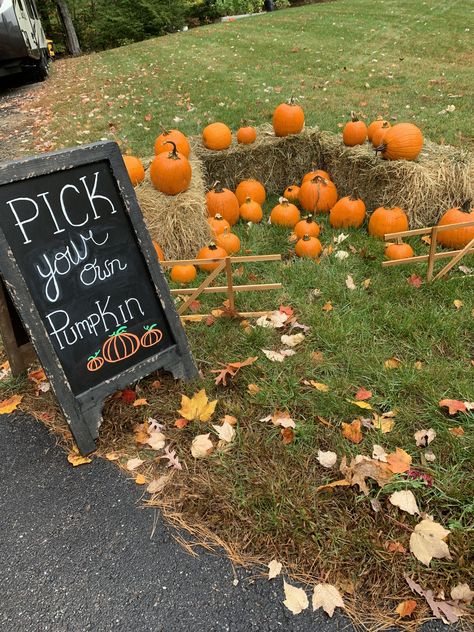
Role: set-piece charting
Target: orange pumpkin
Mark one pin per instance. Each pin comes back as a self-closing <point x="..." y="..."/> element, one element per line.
<point x="170" y="172"/>
<point x="217" y="136"/>
<point x="210" y="252"/>
<point x="307" y="226"/>
<point x="291" y="193"/>
<point x="379" y="134"/>
<point x="318" y="195"/>
<point x="251" y="211"/>
<point x="354" y="132"/>
<point x="135" y="169"/>
<point x="159" y="252"/>
<point x="284" y="214"/>
<point x="95" y="362"/>
<point x="348" y="211"/>
<point x="246" y="135"/>
<point x="223" y="201"/>
<point x="312" y="174"/>
<point x="403" y="141"/>
<point x="152" y="336"/>
<point x="457" y="237"/>
<point x="374" y="126"/>
<point x="398" y="251"/>
<point x="120" y="345"/>
<point x="178" y="138"/>
<point x="218" y="224"/>
<point x="288" y="118"/>
<point x="183" y="274"/>
<point x="250" y="188"/>
<point x="309" y="247"/>
<point x="229" y="241"/>
<point x="387" y="220"/>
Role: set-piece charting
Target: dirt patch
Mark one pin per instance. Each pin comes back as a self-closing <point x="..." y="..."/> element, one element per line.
<point x="17" y="119"/>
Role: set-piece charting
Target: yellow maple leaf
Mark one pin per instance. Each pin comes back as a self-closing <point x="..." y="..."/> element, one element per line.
<point x="319" y="386"/>
<point x="360" y="404"/>
<point x="384" y="423"/>
<point x="198" y="407"/>
<point x="77" y="459"/>
<point x="10" y="404"/>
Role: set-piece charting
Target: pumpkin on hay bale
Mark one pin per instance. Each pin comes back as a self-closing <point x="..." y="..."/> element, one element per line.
<point x="177" y="222"/>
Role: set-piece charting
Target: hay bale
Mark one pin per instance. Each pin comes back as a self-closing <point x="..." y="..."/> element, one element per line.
<point x="177" y="222"/>
<point x="442" y="177"/>
<point x="276" y="162"/>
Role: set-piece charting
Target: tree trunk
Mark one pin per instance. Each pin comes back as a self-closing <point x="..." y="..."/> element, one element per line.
<point x="72" y="42"/>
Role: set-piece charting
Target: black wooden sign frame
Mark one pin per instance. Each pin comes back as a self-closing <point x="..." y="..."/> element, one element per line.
<point x="83" y="410"/>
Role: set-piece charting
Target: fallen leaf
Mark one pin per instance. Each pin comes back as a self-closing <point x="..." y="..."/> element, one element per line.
<point x="319" y="386"/>
<point x="156" y="384"/>
<point x="181" y="423"/>
<point x="441" y="609"/>
<point x="288" y="435"/>
<point x="128" y="396"/>
<point x="350" y="283"/>
<point x="427" y="541"/>
<point x="360" y="404"/>
<point x="278" y="356"/>
<point x="229" y="419"/>
<point x="454" y="406"/>
<point x="392" y="363"/>
<point x="362" y="467"/>
<point x="429" y="455"/>
<point x="405" y="608"/>
<point x="340" y="483"/>
<point x="366" y="283"/>
<point x="274" y="569"/>
<point x="201" y="446"/>
<point x="197" y="407"/>
<point x="37" y="376"/>
<point x="327" y="459"/>
<point x="296" y="599"/>
<point x="225" y="432"/>
<point x="457" y="303"/>
<point x="132" y="464"/>
<point x="395" y="547"/>
<point x="140" y="479"/>
<point x="77" y="459"/>
<point x="286" y="309"/>
<point x="140" y="402"/>
<point x="465" y="269"/>
<point x="112" y="456"/>
<point x="379" y="454"/>
<point x="462" y="592"/>
<point x="327" y="307"/>
<point x="317" y="357"/>
<point x="275" y="320"/>
<point x="418" y="365"/>
<point x="156" y="440"/>
<point x="172" y="459"/>
<point x="280" y="419"/>
<point x="341" y="255"/>
<point x="327" y="597"/>
<point x="158" y="484"/>
<point x="423" y="438"/>
<point x="338" y="239"/>
<point x="230" y="370"/>
<point x="457" y="431"/>
<point x="383" y="423"/>
<point x="426" y="239"/>
<point x="399" y="461"/>
<point x="405" y="500"/>
<point x="10" y="404"/>
<point x="352" y="431"/>
<point x="292" y="341"/>
<point x="415" y="280"/>
<point x="362" y="394"/>
<point x="253" y="389"/>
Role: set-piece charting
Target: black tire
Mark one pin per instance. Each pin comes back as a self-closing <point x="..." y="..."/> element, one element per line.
<point x="41" y="71"/>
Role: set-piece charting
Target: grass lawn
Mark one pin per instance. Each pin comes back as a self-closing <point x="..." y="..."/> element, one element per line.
<point x="260" y="495"/>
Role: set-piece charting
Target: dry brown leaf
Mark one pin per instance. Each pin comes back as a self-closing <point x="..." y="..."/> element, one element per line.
<point x="253" y="389"/>
<point x="454" y="405"/>
<point x="201" y="446"/>
<point x="395" y="547"/>
<point x="158" y="484"/>
<point x="296" y="599"/>
<point x="317" y="357"/>
<point x="352" y="431"/>
<point x="37" y="376"/>
<point x="457" y="303"/>
<point x="405" y="608"/>
<point x="10" y="404"/>
<point x="327" y="307"/>
<point x="225" y="432"/>
<point x="327" y="597"/>
<point x="457" y="431"/>
<point x="229" y="419"/>
<point x="288" y="435"/>
<point x="427" y="541"/>
<point x="399" y="461"/>
<point x="423" y="438"/>
<point x="392" y="363"/>
<point x="112" y="456"/>
<point x="340" y="483"/>
<point x="378" y="453"/>
<point x="274" y="569"/>
<point x="197" y="407"/>
<point x="441" y="609"/>
<point x="462" y="592"/>
<point x="156" y="440"/>
<point x="278" y="356"/>
<point x="230" y="370"/>
<point x="280" y="418"/>
<point x="140" y="479"/>
<point x="363" y="394"/>
<point x="362" y="467"/>
<point x="140" y="402"/>
<point x="77" y="459"/>
<point x="350" y="283"/>
<point x="132" y="464"/>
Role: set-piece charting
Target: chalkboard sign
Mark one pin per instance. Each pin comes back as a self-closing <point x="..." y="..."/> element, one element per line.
<point x="83" y="273"/>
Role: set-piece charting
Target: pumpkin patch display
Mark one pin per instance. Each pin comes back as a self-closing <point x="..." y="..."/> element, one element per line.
<point x="223" y="201"/>
<point x="251" y="211"/>
<point x="135" y="169"/>
<point x="403" y="141"/>
<point x="288" y="118"/>
<point x="317" y="195"/>
<point x="349" y="211"/>
<point x="218" y="224"/>
<point x="291" y="192"/>
<point x="308" y="247"/>
<point x="210" y="252"/>
<point x="177" y="137"/>
<point x="307" y="226"/>
<point x="170" y="172"/>
<point x="317" y="172"/>
<point x="229" y="241"/>
<point x="120" y="345"/>
<point x="387" y="220"/>
<point x="284" y="214"/>
<point x="379" y="134"/>
<point x="246" y="135"/>
<point x="159" y="251"/>
<point x="457" y="237"/>
<point x="183" y="274"/>
<point x="398" y="251"/>
<point x="250" y="188"/>
<point x="217" y="136"/>
<point x="354" y="132"/>
<point x="375" y="125"/>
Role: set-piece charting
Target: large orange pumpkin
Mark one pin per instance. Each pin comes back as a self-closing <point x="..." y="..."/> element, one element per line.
<point x="218" y="224"/>
<point x="246" y="135"/>
<point x="348" y="211"/>
<point x="403" y="141"/>
<point x="217" y="136"/>
<point x="284" y="214"/>
<point x="354" y="132"/>
<point x="288" y="118"/>
<point x="307" y="226"/>
<point x="251" y="211"/>
<point x="308" y="247"/>
<point x="387" y="220"/>
<point x="291" y="192"/>
<point x="170" y="173"/>
<point x="135" y="169"/>
<point x="210" y="252"/>
<point x="379" y="134"/>
<point x="318" y="195"/>
<point x="223" y="201"/>
<point x="229" y="241"/>
<point x="398" y="251"/>
<point x="317" y="172"/>
<point x="250" y="188"/>
<point x="375" y="125"/>
<point x="457" y="237"/>
<point x="178" y="138"/>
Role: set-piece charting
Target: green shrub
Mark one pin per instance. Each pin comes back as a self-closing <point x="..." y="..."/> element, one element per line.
<point x="237" y="7"/>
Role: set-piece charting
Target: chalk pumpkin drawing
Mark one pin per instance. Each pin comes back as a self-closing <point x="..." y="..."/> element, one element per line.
<point x="95" y="362"/>
<point x="152" y="336"/>
<point x="120" y="345"/>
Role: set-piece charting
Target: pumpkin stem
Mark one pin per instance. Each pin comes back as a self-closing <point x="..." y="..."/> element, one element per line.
<point x="466" y="206"/>
<point x="354" y="118"/>
<point x="218" y="216"/>
<point x="174" y="152"/>
<point x="217" y="187"/>
<point x="380" y="148"/>
<point x="248" y="199"/>
<point x="354" y="195"/>
<point x="309" y="218"/>
<point x="283" y="201"/>
<point x="212" y="246"/>
<point x="306" y="237"/>
<point x="93" y="357"/>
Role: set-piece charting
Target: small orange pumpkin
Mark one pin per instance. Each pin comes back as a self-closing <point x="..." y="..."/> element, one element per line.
<point x="170" y="172"/>
<point x="250" y="188"/>
<point x="354" y="132"/>
<point x="403" y="141"/>
<point x="246" y="135"/>
<point x="178" y="138"/>
<point x="223" y="201"/>
<point x="379" y="133"/>
<point x="317" y="172"/>
<point x="387" y="220"/>
<point x="377" y="124"/>
<point x="288" y="118"/>
<point x="307" y="226"/>
<point x="457" y="237"/>
<point x="309" y="247"/>
<point x="229" y="241"/>
<point x="291" y="192"/>
<point x="217" y="136"/>
<point x="135" y="169"/>
<point x="183" y="274"/>
<point x="399" y="251"/>
<point x="318" y="195"/>
<point x="348" y="211"/>
<point x="284" y="214"/>
<point x="218" y="224"/>
<point x="251" y="211"/>
<point x="210" y="252"/>
<point x="159" y="252"/>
